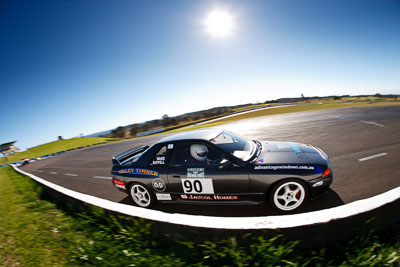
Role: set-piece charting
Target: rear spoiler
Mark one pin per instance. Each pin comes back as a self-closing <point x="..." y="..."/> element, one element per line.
<point x="125" y="156"/>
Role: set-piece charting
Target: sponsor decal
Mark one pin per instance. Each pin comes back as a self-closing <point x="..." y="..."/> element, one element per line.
<point x="158" y="184"/>
<point x="297" y="151"/>
<point x="225" y="197"/>
<point x="318" y="169"/>
<point x="283" y="167"/>
<point x="198" y="197"/>
<point x="197" y="186"/>
<point x="163" y="196"/>
<point x="295" y="148"/>
<point x="170" y="146"/>
<point x="139" y="171"/>
<point x="209" y="197"/>
<point x="195" y="172"/>
<point x="159" y="161"/>
<point x="119" y="183"/>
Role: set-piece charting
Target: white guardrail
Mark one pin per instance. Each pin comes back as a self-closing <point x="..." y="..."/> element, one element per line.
<point x="233" y="223"/>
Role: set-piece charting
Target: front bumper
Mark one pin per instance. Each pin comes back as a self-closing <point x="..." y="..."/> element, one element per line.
<point x="319" y="186"/>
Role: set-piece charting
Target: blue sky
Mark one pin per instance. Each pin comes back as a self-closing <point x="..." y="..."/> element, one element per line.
<point x="71" y="67"/>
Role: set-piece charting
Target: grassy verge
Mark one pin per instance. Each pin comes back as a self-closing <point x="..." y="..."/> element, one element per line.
<point x="57" y="146"/>
<point x="38" y="230"/>
<point x="32" y="232"/>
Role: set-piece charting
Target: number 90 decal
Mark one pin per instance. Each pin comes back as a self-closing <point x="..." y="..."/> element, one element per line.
<point x="197" y="186"/>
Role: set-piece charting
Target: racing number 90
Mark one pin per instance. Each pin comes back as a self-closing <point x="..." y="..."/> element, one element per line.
<point x="192" y="185"/>
<point x="197" y="186"/>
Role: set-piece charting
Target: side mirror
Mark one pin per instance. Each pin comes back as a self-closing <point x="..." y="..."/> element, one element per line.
<point x="225" y="164"/>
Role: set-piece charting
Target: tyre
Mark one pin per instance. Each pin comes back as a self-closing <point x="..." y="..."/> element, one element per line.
<point x="141" y="195"/>
<point x="288" y="195"/>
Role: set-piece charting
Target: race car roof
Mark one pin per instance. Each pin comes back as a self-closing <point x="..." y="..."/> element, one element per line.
<point x="204" y="134"/>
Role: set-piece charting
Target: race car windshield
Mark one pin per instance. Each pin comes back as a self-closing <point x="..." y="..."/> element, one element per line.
<point x="235" y="145"/>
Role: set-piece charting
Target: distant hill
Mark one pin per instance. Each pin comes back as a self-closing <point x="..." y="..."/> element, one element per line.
<point x="99" y="134"/>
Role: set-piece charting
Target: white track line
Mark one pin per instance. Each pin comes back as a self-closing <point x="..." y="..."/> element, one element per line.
<point x="373" y="157"/>
<point x="373" y="123"/>
<point x="53" y="172"/>
<point x="71" y="174"/>
<point x="263" y="222"/>
<point x="102" y="177"/>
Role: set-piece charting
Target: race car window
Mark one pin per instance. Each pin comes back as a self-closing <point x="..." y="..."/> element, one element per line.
<point x="161" y="156"/>
<point x="186" y="154"/>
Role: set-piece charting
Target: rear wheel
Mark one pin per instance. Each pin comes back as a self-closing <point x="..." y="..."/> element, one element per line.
<point x="142" y="196"/>
<point x="288" y="195"/>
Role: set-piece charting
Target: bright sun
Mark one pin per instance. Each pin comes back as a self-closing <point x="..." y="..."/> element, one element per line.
<point x="219" y="23"/>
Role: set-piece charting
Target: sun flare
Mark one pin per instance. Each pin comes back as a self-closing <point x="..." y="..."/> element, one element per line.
<point x="219" y="23"/>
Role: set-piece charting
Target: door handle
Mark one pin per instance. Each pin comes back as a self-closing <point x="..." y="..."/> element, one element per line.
<point x="176" y="176"/>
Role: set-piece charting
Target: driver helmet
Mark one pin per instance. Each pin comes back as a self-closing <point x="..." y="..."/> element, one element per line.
<point x="199" y="152"/>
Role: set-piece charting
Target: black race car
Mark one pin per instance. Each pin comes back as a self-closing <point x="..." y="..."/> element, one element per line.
<point x="219" y="167"/>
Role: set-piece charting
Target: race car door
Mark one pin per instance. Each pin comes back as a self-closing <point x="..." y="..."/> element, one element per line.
<point x="207" y="175"/>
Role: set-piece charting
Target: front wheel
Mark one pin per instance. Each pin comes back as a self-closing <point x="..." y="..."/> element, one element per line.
<point x="142" y="196"/>
<point x="288" y="195"/>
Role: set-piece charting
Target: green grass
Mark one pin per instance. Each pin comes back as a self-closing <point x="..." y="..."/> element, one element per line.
<point x="32" y="232"/>
<point x="56" y="146"/>
<point x="37" y="229"/>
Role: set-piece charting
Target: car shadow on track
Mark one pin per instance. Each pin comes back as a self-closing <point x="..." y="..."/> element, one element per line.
<point x="329" y="200"/>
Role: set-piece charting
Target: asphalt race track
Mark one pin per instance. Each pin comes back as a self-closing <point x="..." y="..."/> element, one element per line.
<point x="363" y="145"/>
